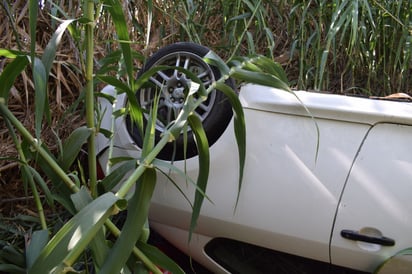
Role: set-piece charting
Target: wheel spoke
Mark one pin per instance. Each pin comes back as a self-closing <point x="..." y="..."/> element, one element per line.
<point x="204" y="107"/>
<point x="187" y="62"/>
<point x="156" y="82"/>
<point x="170" y="85"/>
<point x="177" y="63"/>
<point x="146" y="104"/>
<point x="162" y="103"/>
<point x="163" y="75"/>
<point x="169" y="105"/>
<point x="169" y="114"/>
<point x="207" y="83"/>
<point x="203" y="74"/>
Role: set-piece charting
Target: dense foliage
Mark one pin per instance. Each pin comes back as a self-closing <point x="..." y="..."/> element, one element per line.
<point x="54" y="56"/>
<point x="339" y="46"/>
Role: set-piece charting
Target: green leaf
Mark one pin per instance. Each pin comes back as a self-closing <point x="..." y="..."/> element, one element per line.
<point x="42" y="184"/>
<point x="72" y="239"/>
<point x="134" y="106"/>
<point x="50" y="50"/>
<point x="264" y="79"/>
<point x="38" y="241"/>
<point x="98" y="245"/>
<point x="137" y="213"/>
<point x="250" y="42"/>
<point x="240" y="130"/>
<point x="118" y="84"/>
<point x="11" y="268"/>
<point x="62" y="192"/>
<point x="12" y="54"/>
<point x="149" y="21"/>
<point x="204" y="164"/>
<point x="72" y="146"/>
<point x="395" y="262"/>
<point x="214" y="59"/>
<point x="159" y="258"/>
<point x="115" y="177"/>
<point x="242" y="16"/>
<point x="81" y="199"/>
<point x="12" y="256"/>
<point x="149" y="136"/>
<point x="323" y="62"/>
<point x="267" y="65"/>
<point x="40" y="86"/>
<point x="33" y="7"/>
<point x="178" y="171"/>
<point x="10" y="73"/>
<point x="115" y="9"/>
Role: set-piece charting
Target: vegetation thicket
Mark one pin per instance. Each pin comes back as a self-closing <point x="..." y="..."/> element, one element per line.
<point x="56" y="55"/>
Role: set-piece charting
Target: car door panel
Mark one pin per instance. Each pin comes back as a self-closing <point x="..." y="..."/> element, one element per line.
<point x="376" y="199"/>
<point x="292" y="182"/>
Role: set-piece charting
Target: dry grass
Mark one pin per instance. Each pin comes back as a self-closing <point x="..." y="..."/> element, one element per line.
<point x="65" y="85"/>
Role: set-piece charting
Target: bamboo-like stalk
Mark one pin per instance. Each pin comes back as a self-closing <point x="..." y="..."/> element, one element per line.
<point x="24" y="167"/>
<point x="36" y="144"/>
<point x="137" y="173"/>
<point x="89" y="40"/>
<point x="66" y="179"/>
<point x="139" y="254"/>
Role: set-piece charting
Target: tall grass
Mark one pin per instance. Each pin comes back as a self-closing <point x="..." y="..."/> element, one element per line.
<point x="339" y="46"/>
<point x="89" y="240"/>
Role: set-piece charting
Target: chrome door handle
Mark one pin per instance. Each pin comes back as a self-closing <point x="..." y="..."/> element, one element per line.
<point x="356" y="236"/>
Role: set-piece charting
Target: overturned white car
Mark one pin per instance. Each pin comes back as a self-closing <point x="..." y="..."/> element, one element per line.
<point x="327" y="178"/>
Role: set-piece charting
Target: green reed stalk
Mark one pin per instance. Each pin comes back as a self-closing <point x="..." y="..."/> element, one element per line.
<point x="89" y="14"/>
<point x="26" y="170"/>
<point x="37" y="145"/>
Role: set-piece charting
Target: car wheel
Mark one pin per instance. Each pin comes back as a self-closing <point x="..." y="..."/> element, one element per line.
<point x="215" y="113"/>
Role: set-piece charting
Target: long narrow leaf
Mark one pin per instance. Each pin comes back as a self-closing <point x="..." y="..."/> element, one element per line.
<point x="98" y="245"/>
<point x="11" y="268"/>
<point x="149" y="137"/>
<point x="132" y="230"/>
<point x="213" y="59"/>
<point x="10" y="73"/>
<point x="271" y="67"/>
<point x="204" y="162"/>
<point x="33" y="11"/>
<point x="121" y="86"/>
<point x="42" y="184"/>
<point x="395" y="263"/>
<point x="50" y="51"/>
<point x="75" y="234"/>
<point x="72" y="146"/>
<point x="40" y="85"/>
<point x="159" y="258"/>
<point x="240" y="130"/>
<point x="116" y="176"/>
<point x="169" y="166"/>
<point x="265" y="79"/>
<point x="38" y="241"/>
<point x="116" y="11"/>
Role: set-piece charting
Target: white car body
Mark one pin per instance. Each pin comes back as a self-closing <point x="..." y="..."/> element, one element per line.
<point x="316" y="165"/>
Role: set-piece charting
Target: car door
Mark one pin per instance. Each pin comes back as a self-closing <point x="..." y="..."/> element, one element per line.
<point x="374" y="217"/>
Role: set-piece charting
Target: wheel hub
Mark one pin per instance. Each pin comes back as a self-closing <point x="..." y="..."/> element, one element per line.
<point x="175" y="91"/>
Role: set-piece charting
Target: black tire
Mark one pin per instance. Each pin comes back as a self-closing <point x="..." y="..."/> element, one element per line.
<point x="215" y="113"/>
